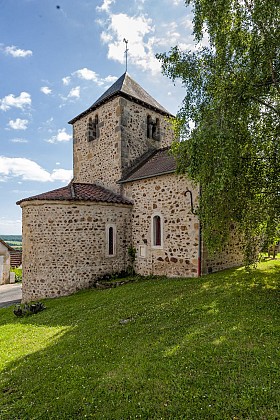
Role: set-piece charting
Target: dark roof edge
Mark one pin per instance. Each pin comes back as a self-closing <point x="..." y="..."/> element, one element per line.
<point x="125" y="95"/>
<point x="140" y="162"/>
<point x="147" y="156"/>
<point x="10" y="248"/>
<point x="145" y="177"/>
<point x="74" y="200"/>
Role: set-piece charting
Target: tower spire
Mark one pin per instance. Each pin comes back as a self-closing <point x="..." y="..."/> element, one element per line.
<point x="126" y="51"/>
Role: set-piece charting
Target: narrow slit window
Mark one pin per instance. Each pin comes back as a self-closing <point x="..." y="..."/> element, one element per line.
<point x="157" y="229"/>
<point x="111" y="241"/>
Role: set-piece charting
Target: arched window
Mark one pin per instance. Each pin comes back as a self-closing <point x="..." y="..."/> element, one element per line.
<point x="149" y="127"/>
<point x="156" y="135"/>
<point x="153" y="128"/>
<point x="110" y="240"/>
<point x="157" y="231"/>
<point x="92" y="131"/>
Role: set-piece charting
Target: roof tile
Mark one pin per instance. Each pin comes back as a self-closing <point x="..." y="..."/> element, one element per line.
<point x="158" y="163"/>
<point x="80" y="192"/>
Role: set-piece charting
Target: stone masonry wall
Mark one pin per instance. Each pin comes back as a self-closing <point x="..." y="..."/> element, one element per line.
<point x="230" y="256"/>
<point x="64" y="245"/>
<point x="164" y="195"/>
<point x="99" y="160"/>
<point x="122" y="139"/>
<point x="5" y="264"/>
<point x="133" y="126"/>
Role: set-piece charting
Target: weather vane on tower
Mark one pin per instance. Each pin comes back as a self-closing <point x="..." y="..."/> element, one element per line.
<point x="126" y="51"/>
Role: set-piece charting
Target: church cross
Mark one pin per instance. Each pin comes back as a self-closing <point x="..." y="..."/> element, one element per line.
<point x="126" y="51"/>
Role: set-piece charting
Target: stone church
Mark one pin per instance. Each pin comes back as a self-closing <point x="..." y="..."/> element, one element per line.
<point x="124" y="193"/>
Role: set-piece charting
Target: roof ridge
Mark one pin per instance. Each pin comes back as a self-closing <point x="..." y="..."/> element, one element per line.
<point x="80" y="192"/>
<point x="127" y="87"/>
<point x="72" y="190"/>
<point x="160" y="162"/>
<point x="142" y="160"/>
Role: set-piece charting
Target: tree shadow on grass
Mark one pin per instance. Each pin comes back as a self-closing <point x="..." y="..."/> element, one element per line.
<point x="156" y="349"/>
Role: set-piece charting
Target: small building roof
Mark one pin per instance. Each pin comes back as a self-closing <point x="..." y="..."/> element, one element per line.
<point x="6" y="245"/>
<point x="126" y="87"/>
<point x="80" y="192"/>
<point x="159" y="162"/>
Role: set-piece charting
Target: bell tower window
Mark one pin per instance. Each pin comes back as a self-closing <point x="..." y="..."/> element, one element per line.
<point x="153" y="128"/>
<point x="92" y="128"/>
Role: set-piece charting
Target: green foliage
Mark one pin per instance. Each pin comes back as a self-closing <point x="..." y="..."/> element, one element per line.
<point x="232" y="147"/>
<point x="155" y="349"/>
<point x="132" y="255"/>
<point x="18" y="274"/>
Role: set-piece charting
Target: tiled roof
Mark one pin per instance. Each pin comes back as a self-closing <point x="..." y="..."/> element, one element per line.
<point x="125" y="86"/>
<point x="80" y="192"/>
<point x="158" y="163"/>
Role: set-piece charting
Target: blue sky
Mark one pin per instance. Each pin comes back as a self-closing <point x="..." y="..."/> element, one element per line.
<point x="57" y="58"/>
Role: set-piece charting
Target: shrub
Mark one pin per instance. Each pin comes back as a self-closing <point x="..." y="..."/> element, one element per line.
<point x="18" y="274"/>
<point x="28" y="309"/>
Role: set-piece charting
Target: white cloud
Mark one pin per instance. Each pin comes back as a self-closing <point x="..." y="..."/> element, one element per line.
<point x="10" y="226"/>
<point x="138" y="30"/>
<point x="19" y="140"/>
<point x="46" y="90"/>
<point x="61" y="136"/>
<point x="22" y="101"/>
<point x="66" y="80"/>
<point x="28" y="170"/>
<point x="63" y="175"/>
<point x="87" y="74"/>
<point x="105" y="7"/>
<point x="17" y="52"/>
<point x="74" y="92"/>
<point x="110" y="79"/>
<point x="18" y="124"/>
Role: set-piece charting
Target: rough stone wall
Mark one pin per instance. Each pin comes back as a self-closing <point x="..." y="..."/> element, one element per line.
<point x="98" y="160"/>
<point x="165" y="195"/>
<point x="64" y="245"/>
<point x="133" y="126"/>
<point x="5" y="264"/>
<point x="122" y="139"/>
<point x="230" y="256"/>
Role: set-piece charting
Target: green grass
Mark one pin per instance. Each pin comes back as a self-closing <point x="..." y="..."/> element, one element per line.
<point x="204" y="348"/>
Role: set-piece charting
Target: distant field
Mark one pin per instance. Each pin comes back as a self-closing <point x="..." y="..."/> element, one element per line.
<point x="14" y="241"/>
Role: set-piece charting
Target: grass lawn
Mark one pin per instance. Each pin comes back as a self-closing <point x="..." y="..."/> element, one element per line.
<point x="205" y="348"/>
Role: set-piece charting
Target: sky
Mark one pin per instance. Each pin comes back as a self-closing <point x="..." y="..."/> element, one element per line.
<point x="56" y="59"/>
